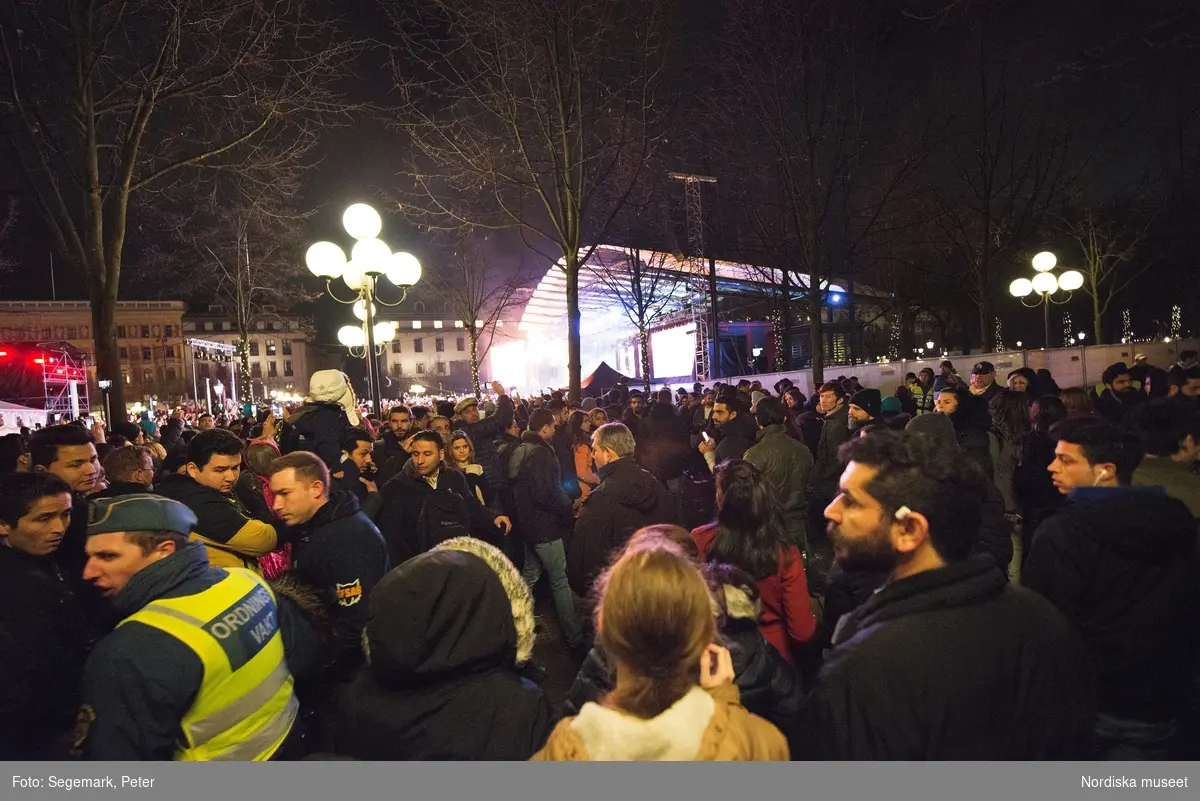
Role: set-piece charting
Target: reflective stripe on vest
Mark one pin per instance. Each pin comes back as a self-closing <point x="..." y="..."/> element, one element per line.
<point x="245" y="707"/>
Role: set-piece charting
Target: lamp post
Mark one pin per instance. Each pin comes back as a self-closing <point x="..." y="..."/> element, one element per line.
<point x="105" y="386"/>
<point x="1046" y="284"/>
<point x="219" y="388"/>
<point x="370" y="258"/>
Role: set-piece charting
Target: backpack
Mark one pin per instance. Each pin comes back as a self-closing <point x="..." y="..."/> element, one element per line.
<point x="443" y="516"/>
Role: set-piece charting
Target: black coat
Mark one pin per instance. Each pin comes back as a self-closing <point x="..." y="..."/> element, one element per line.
<point x="543" y="509"/>
<point x="317" y="427"/>
<point x="950" y="664"/>
<point x="1121" y="564"/>
<point x="441" y="682"/>
<point x="405" y="496"/>
<point x="737" y="436"/>
<point x="827" y="465"/>
<point x="340" y="553"/>
<point x="119" y="488"/>
<point x="627" y="499"/>
<point x="46" y="631"/>
<point x="483" y="435"/>
<point x="663" y="448"/>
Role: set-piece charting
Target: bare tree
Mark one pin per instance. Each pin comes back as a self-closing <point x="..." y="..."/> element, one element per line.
<point x="477" y="294"/>
<point x="108" y="101"/>
<point x="538" y="115"/>
<point x="1110" y="246"/>
<point x="641" y="284"/>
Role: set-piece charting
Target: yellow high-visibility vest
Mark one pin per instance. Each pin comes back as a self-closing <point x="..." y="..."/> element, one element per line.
<point x="245" y="708"/>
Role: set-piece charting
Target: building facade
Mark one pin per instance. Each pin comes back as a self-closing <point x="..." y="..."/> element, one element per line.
<point x="149" y="340"/>
<point x="279" y="353"/>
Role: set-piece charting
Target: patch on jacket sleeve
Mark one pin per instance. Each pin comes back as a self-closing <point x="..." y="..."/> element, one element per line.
<point x="349" y="594"/>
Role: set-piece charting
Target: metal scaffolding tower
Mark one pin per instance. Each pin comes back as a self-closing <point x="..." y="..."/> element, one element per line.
<point x="704" y="310"/>
<point x="64" y="378"/>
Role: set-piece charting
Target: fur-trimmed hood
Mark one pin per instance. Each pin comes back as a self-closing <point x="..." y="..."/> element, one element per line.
<point x="514" y="587"/>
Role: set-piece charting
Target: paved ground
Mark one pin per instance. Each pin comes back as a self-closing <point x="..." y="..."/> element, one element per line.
<point x="551" y="655"/>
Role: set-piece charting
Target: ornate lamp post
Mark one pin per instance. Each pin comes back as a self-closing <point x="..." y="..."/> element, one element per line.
<point x="369" y="259"/>
<point x="1046" y="285"/>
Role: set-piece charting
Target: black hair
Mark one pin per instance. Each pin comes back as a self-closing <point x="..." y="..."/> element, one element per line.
<point x="1010" y="417"/>
<point x="1179" y="376"/>
<point x="20" y="491"/>
<point x="1113" y="372"/>
<point x="353" y="436"/>
<point x="898" y="421"/>
<point x="555" y="406"/>
<point x="202" y="416"/>
<point x="445" y="409"/>
<point x="914" y="470"/>
<point x="12" y="448"/>
<point x="1045" y="413"/>
<point x="1164" y="423"/>
<point x="540" y="418"/>
<point x="44" y="445"/>
<point x="834" y="387"/>
<point x="212" y="442"/>
<point x="770" y="412"/>
<point x="429" y="435"/>
<point x="399" y="410"/>
<point x="575" y="426"/>
<point x="750" y="528"/>
<point x="1103" y="442"/>
<point x="419" y="412"/>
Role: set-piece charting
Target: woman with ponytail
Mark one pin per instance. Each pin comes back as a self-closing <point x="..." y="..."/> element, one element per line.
<point x="749" y="534"/>
<point x="674" y="698"/>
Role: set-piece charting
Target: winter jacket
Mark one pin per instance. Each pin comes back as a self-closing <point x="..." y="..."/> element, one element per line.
<point x="827" y="466"/>
<point x="627" y="499"/>
<point x="253" y="492"/>
<point x="46" y="631"/>
<point x="447" y="633"/>
<point x="950" y="664"/>
<point x="341" y="554"/>
<point x="1121" y="564"/>
<point x="787" y="614"/>
<point x="231" y="536"/>
<point x="119" y="488"/>
<point x="483" y="435"/>
<point x="543" y="509"/>
<point x="320" y="427"/>
<point x="702" y="726"/>
<point x="769" y="686"/>
<point x="786" y="463"/>
<point x="663" y="448"/>
<point x="139" y="681"/>
<point x="404" y="527"/>
<point x="737" y="436"/>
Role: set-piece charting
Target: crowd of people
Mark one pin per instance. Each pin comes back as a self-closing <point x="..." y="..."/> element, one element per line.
<point x="962" y="569"/>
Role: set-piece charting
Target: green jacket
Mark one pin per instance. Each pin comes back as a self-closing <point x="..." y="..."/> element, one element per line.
<point x="1176" y="478"/>
<point x="786" y="463"/>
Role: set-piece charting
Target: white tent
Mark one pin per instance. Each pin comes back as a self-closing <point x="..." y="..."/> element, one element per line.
<point x="12" y="417"/>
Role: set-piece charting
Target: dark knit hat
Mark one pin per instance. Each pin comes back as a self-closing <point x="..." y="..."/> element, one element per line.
<point x="869" y="400"/>
<point x="140" y="512"/>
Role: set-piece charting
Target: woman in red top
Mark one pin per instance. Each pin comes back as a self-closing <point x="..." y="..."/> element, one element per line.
<point x="749" y="533"/>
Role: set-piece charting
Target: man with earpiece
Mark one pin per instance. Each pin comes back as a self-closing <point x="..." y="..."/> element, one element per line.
<point x="1121" y="563"/>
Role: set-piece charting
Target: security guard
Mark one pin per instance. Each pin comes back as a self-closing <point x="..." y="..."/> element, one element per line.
<point x="196" y="670"/>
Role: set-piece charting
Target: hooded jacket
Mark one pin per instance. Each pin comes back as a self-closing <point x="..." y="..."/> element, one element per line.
<point x="950" y="664"/>
<point x="447" y="633"/>
<point x="1121" y="564"/>
<point x="232" y="537"/>
<point x="627" y="499"/>
<point x="737" y="437"/>
<point x="543" y="508"/>
<point x="786" y="463"/>
<point x="340" y="553"/>
<point x="317" y="426"/>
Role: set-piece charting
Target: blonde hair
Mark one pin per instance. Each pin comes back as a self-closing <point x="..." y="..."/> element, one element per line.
<point x="655" y="618"/>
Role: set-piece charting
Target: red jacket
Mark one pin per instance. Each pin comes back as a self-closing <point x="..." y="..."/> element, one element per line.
<point x="786" y="614"/>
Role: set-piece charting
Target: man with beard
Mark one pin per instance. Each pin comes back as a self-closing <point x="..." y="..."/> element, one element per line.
<point x="395" y="437"/>
<point x="1120" y="395"/>
<point x="737" y="431"/>
<point x="947" y="660"/>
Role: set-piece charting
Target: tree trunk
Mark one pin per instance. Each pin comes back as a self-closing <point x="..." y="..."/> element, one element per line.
<point x="644" y="348"/>
<point x="108" y="357"/>
<point x="243" y="353"/>
<point x="574" y="356"/>
<point x="1097" y="317"/>
<point x="816" y="330"/>
<point x="783" y="361"/>
<point x="986" y="326"/>
<point x="474" y="337"/>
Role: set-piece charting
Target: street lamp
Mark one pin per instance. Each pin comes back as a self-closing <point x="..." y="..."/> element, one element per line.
<point x="369" y="259"/>
<point x="929" y="345"/>
<point x="1046" y="284"/>
<point x="1082" y="335"/>
<point x="105" y="386"/>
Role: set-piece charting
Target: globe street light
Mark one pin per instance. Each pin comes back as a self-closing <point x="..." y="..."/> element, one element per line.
<point x="370" y="258"/>
<point x="1046" y="284"/>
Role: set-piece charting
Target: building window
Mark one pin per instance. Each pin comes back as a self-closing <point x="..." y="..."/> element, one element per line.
<point x="254" y="347"/>
<point x="146" y="354"/>
<point x="460" y="343"/>
<point x="157" y="331"/>
<point x="272" y="370"/>
<point x="271" y="326"/>
<point x="121" y="331"/>
<point x="439" y="345"/>
<point x="168" y="330"/>
<point x="147" y="376"/>
<point x="418" y="346"/>
<point x="169" y="351"/>
<point x="397" y="368"/>
<point x="395" y="347"/>
<point x="145" y="332"/>
<point x="270" y="347"/>
<point x="124" y="353"/>
<point x="256" y="369"/>
<point x="441" y="368"/>
<point x="287" y="368"/>
<point x="126" y="376"/>
<point x="226" y="325"/>
<point x="287" y="347"/>
<point x="72" y="333"/>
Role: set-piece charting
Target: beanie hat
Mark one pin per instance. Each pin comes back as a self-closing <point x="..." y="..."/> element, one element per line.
<point x="869" y="400"/>
<point x="332" y="386"/>
<point x="891" y="405"/>
<point x="937" y="427"/>
<point x="588" y="404"/>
